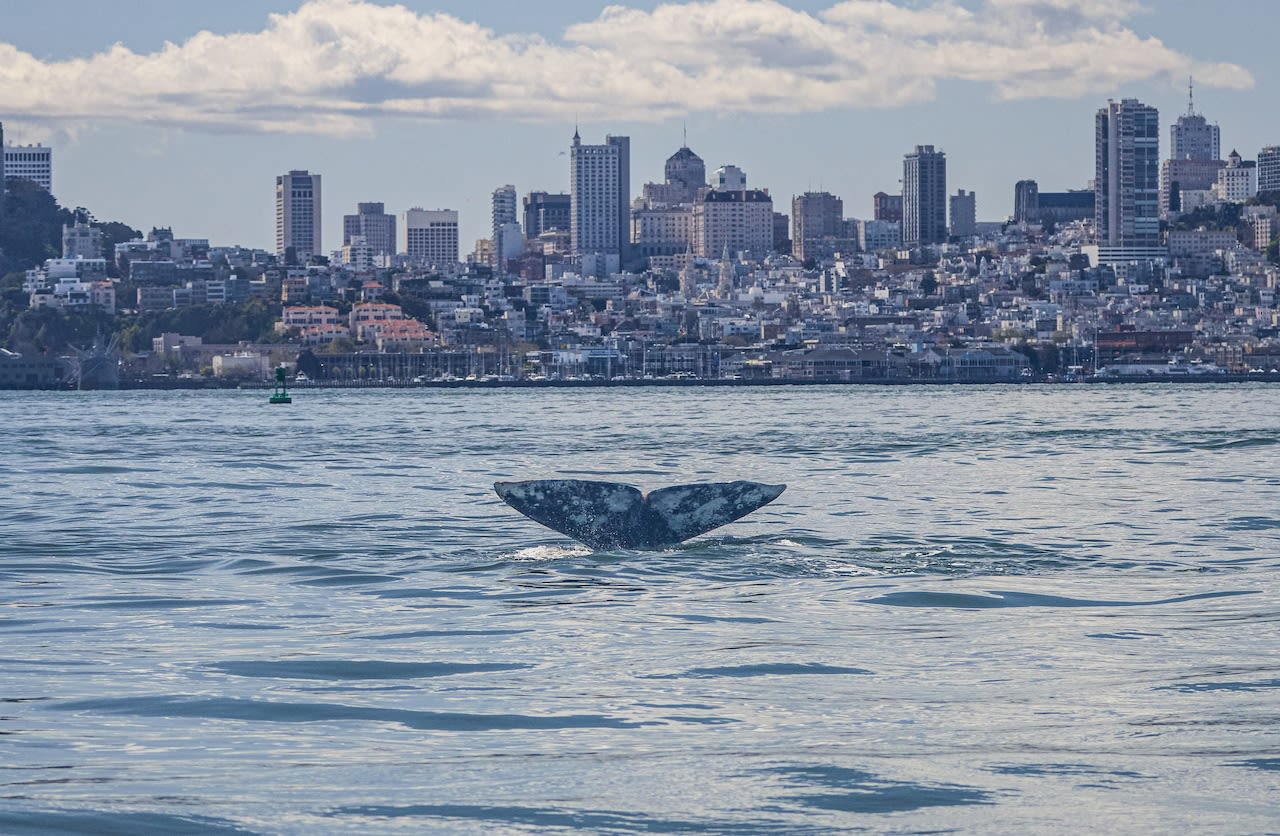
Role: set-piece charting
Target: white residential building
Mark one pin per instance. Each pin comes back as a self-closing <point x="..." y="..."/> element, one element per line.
<point x="431" y="237"/>
<point x="730" y="178"/>
<point x="1238" y="181"/>
<point x="81" y="241"/>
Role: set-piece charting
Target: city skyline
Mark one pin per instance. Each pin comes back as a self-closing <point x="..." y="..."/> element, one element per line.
<point x="125" y="170"/>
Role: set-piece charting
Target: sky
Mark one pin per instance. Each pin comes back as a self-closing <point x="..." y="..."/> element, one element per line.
<point x="182" y="114"/>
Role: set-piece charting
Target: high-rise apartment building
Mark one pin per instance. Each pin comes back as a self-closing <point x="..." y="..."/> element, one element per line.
<point x="298" y="214"/>
<point x="814" y="216"/>
<point x="781" y="233"/>
<point x="1026" y="202"/>
<point x="431" y="237"/>
<point x="1269" y="169"/>
<point x="964" y="214"/>
<point x="371" y="223"/>
<point x="1127" y="175"/>
<point x="740" y="220"/>
<point x="507" y="239"/>
<point x="30" y="162"/>
<point x="600" y="202"/>
<point x="924" y="197"/>
<point x="544" y="212"/>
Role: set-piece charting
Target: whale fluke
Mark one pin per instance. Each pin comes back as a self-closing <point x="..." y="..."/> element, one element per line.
<point x="609" y="515"/>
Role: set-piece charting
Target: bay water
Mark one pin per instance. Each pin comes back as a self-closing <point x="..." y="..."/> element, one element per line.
<point x="1018" y="609"/>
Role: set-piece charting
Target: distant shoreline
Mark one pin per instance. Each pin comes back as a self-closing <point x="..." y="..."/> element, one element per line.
<point x="176" y="384"/>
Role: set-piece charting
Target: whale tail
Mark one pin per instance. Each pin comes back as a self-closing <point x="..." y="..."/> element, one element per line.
<point x="610" y="515"/>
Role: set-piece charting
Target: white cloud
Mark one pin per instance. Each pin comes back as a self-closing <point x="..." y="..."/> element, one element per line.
<point x="335" y="66"/>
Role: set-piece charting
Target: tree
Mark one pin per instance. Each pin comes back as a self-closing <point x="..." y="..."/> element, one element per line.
<point x="30" y="225"/>
<point x="114" y="232"/>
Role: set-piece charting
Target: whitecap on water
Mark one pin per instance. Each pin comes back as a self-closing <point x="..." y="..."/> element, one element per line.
<point x="544" y="553"/>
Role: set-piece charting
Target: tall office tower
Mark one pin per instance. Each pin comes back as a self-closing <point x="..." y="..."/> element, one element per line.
<point x="685" y="177"/>
<point x="814" y="216"/>
<point x="431" y="237"/>
<point x="372" y="223"/>
<point x="685" y="174"/>
<point x="887" y="207"/>
<point x="1269" y="169"/>
<point x="298" y="214"/>
<point x="30" y="162"/>
<point x="544" y="212"/>
<point x="1191" y="137"/>
<point x="781" y="233"/>
<point x="507" y="240"/>
<point x="964" y="214"/>
<point x="1195" y="158"/>
<point x="924" y="197"/>
<point x="1026" y="202"/>
<point x="1127" y="152"/>
<point x="599" y="195"/>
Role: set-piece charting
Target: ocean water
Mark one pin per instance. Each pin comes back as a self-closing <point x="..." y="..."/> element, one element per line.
<point x="1039" y="609"/>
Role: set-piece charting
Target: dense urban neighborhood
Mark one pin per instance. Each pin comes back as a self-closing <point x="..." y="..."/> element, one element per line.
<point x="1154" y="269"/>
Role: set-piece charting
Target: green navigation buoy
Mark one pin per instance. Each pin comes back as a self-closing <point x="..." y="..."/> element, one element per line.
<point x="281" y="394"/>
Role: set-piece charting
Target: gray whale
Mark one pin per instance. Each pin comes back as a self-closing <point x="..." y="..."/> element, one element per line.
<point x="609" y="515"/>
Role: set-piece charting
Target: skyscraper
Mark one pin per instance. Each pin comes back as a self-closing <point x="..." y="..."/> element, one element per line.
<point x="1195" y="158"/>
<point x="507" y="240"/>
<point x="814" y="216"/>
<point x="374" y="225"/>
<point x="600" y="202"/>
<point x="1191" y="137"/>
<point x="1026" y="202"/>
<point x="685" y="174"/>
<point x="1127" y="169"/>
<point x="964" y="214"/>
<point x="1269" y="169"/>
<point x="298" y="214"/>
<point x="924" y="197"/>
<point x="544" y="212"/>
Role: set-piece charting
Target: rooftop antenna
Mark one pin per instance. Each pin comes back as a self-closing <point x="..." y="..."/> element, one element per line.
<point x="1191" y="95"/>
<point x="685" y="130"/>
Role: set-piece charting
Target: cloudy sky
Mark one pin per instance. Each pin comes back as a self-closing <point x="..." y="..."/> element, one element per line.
<point x="182" y="114"/>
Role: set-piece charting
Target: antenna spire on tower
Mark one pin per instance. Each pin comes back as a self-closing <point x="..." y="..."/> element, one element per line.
<point x="1191" y="96"/>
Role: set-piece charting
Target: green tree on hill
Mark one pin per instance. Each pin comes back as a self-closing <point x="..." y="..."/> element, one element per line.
<point x="30" y="226"/>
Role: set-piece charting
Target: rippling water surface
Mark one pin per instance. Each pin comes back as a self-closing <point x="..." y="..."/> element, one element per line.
<point x="1016" y="609"/>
